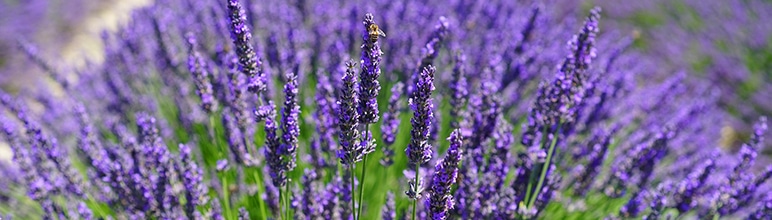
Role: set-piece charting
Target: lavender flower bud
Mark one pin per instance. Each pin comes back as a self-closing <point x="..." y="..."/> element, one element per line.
<point x="388" y="211"/>
<point x="585" y="175"/>
<point x="685" y="197"/>
<point x="243" y="214"/>
<point x="458" y="89"/>
<point x="350" y="150"/>
<point x="242" y="39"/>
<point x="390" y="126"/>
<point x="289" y="126"/>
<point x="345" y="193"/>
<point x="198" y="69"/>
<point x="272" y="149"/>
<point x="430" y="50"/>
<point x="658" y="202"/>
<point x="71" y="180"/>
<point x="216" y="211"/>
<point x="418" y="150"/>
<point x="556" y="102"/>
<point x="371" y="70"/>
<point x="416" y="189"/>
<point x="37" y="187"/>
<point x="759" y="128"/>
<point x="84" y="212"/>
<point x="222" y="165"/>
<point x="192" y="179"/>
<point x="445" y="174"/>
<point x="764" y="210"/>
<point x="310" y="203"/>
<point x="635" y="205"/>
<point x="235" y="138"/>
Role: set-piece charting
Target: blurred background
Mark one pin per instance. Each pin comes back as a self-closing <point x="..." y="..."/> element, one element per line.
<point x="725" y="43"/>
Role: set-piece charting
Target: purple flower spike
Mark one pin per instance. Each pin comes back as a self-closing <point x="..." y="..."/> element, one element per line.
<point x="216" y="211"/>
<point x="430" y="50"/>
<point x="193" y="181"/>
<point x="243" y="214"/>
<point x="459" y="92"/>
<point x="759" y="128"/>
<point x="222" y="165"/>
<point x="371" y="70"/>
<point x="242" y="39"/>
<point x="311" y="206"/>
<point x="686" y="192"/>
<point x="388" y="211"/>
<point x="390" y="126"/>
<point x="445" y="173"/>
<point x="418" y="150"/>
<point x="198" y="69"/>
<point x="272" y="149"/>
<point x="635" y="205"/>
<point x="764" y="210"/>
<point x="289" y="124"/>
<point x="84" y="212"/>
<point x="556" y="102"/>
<point x="350" y="150"/>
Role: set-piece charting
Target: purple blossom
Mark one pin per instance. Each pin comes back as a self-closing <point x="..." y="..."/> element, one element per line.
<point x="390" y="126"/>
<point x="235" y="138"/>
<point x="555" y="102"/>
<point x="430" y="51"/>
<point x="198" y="69"/>
<point x="310" y="205"/>
<point x="272" y="149"/>
<point x="440" y="200"/>
<point x="658" y="202"/>
<point x="350" y="150"/>
<point x="193" y="181"/>
<point x="242" y="39"/>
<point x="764" y="210"/>
<point x="635" y="205"/>
<point x="388" y="211"/>
<point x="687" y="191"/>
<point x="290" y="124"/>
<point x="216" y="210"/>
<point x="37" y="187"/>
<point x="243" y="214"/>
<point x="84" y="212"/>
<point x="459" y="91"/>
<point x="371" y="70"/>
<point x="585" y="174"/>
<point x="418" y="150"/>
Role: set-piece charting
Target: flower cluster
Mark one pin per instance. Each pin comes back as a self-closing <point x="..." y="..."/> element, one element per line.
<point x="602" y="129"/>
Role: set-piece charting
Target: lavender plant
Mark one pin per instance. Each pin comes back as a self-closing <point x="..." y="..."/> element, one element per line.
<point x="603" y="131"/>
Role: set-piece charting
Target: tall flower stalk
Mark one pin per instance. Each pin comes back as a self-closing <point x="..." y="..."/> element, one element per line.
<point x="368" y="92"/>
<point x="445" y="174"/>
<point x="419" y="151"/>
<point x="350" y="151"/>
<point x="555" y="107"/>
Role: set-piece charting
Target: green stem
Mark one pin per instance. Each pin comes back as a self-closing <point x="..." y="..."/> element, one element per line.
<point x="226" y="196"/>
<point x="260" y="202"/>
<point x="281" y="203"/>
<point x="351" y="178"/>
<point x="545" y="167"/>
<point x="532" y="175"/>
<point x="364" y="169"/>
<point x="287" y="201"/>
<point x="223" y="177"/>
<point x="415" y="184"/>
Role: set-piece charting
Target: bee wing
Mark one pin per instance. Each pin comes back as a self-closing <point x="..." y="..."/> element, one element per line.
<point x="380" y="33"/>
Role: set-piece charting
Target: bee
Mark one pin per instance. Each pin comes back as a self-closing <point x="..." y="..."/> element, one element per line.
<point x="373" y="32"/>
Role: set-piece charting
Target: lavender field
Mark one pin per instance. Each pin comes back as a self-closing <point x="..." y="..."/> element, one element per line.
<point x="389" y="109"/>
